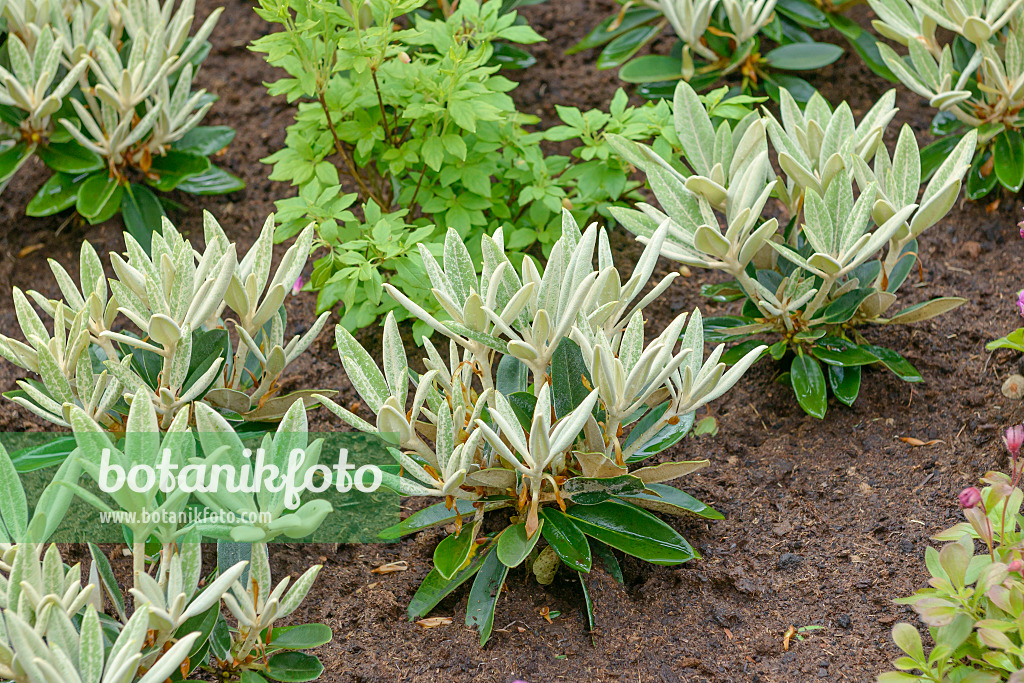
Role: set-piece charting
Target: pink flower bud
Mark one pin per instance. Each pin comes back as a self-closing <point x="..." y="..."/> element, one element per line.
<point x="970" y="497"/>
<point x="405" y="59"/>
<point x="1020" y="302"/>
<point x="1014" y="439"/>
<point x="297" y="285"/>
<point x="1015" y="566"/>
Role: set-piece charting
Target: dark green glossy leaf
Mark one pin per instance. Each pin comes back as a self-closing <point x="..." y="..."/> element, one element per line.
<point x="566" y="539"/>
<point x="514" y="545"/>
<point x="214" y="180"/>
<point x="426" y="518"/>
<point x="899" y="365"/>
<point x="620" y="50"/>
<point x="864" y="44"/>
<point x="716" y="328"/>
<point x="509" y="56"/>
<point x="453" y="551"/>
<point x="736" y="353"/>
<point x="979" y="185"/>
<point x="569" y="378"/>
<point x="301" y="637"/>
<point x="12" y="158"/>
<point x="803" y="13"/>
<point x="667" y="436"/>
<point x="845" y="383"/>
<point x="809" y="385"/>
<point x="96" y="192"/>
<point x="294" y="667"/>
<point x="838" y="351"/>
<point x="945" y="123"/>
<point x="512" y="376"/>
<point x="904" y="265"/>
<point x="141" y="211"/>
<point x="483" y="596"/>
<point x="249" y="676"/>
<point x="207" y="347"/>
<point x="632" y="530"/>
<point x="843" y="308"/>
<point x="169" y="170"/>
<point x="588" y="604"/>
<point x="436" y="588"/>
<point x="601" y="34"/>
<point x="522" y="405"/>
<point x="651" y="68"/>
<point x="803" y="56"/>
<point x="670" y="500"/>
<point x="205" y="140"/>
<point x="69" y="157"/>
<point x="203" y="624"/>
<point x="51" y="453"/>
<point x="58" y="193"/>
<point x="1008" y="149"/>
<point x="593" y="490"/>
<point x="801" y="90"/>
<point x="723" y="292"/>
<point x="220" y="639"/>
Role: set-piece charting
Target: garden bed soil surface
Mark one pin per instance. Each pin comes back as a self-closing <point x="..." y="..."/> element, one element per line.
<point x="826" y="521"/>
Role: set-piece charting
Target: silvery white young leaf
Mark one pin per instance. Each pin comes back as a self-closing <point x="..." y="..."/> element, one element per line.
<point x="90" y="647"/>
<point x="458" y="266"/>
<point x="171" y="660"/>
<point x="298" y="591"/>
<point x="366" y="377"/>
<point x="13" y="504"/>
<point x="693" y="126"/>
<point x="955" y="165"/>
<point x="395" y="363"/>
<point x="906" y="168"/>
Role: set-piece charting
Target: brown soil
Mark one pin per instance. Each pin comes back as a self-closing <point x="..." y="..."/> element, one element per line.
<point x="826" y="522"/>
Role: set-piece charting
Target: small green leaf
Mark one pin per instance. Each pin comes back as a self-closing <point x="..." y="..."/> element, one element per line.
<point x="934" y="154"/>
<point x="106" y="574"/>
<point x="603" y="33"/>
<point x="899" y="365"/>
<point x="170" y="169"/>
<point x="587" y="602"/>
<point x="12" y="158"/>
<point x="453" y="551"/>
<point x="69" y="157"/>
<point x="142" y="213"/>
<point x="619" y="51"/>
<point x="1008" y="149"/>
<point x="58" y="193"/>
<point x="96" y="194"/>
<point x="514" y="546"/>
<point x="301" y="637"/>
<point x="809" y="385"/>
<point x="845" y="382"/>
<point x="843" y="308"/>
<point x="294" y="667"/>
<point x="979" y="185"/>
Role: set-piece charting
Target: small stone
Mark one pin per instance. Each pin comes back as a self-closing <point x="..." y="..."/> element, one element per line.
<point x="844" y="621"/>
<point x="906" y="546"/>
<point x="971" y="249"/>
<point x="1013" y="387"/>
<point x="788" y="560"/>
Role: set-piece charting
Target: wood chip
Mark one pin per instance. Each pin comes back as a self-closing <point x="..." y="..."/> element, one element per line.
<point x="917" y="442"/>
<point x="434" y="622"/>
<point x="391" y="567"/>
<point x="25" y="251"/>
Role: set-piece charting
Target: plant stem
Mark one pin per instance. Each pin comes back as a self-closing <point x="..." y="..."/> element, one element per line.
<point x="343" y="152"/>
<point x="383" y="113"/>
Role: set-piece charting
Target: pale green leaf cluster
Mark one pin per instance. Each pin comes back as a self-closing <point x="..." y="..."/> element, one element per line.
<point x="51" y="627"/>
<point x="989" y="87"/>
<point x="690" y="20"/>
<point x="823" y="155"/>
<point x="171" y="296"/>
<point x="259" y="604"/>
<point x="132" y="109"/>
<point x="508" y="330"/>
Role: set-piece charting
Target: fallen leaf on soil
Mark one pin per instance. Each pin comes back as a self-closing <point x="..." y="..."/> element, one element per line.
<point x="25" y="251"/>
<point x="917" y="442"/>
<point x="434" y="622"/>
<point x="865" y="487"/>
<point x="787" y="636"/>
<point x="728" y="633"/>
<point x="391" y="567"/>
<point x="546" y="613"/>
